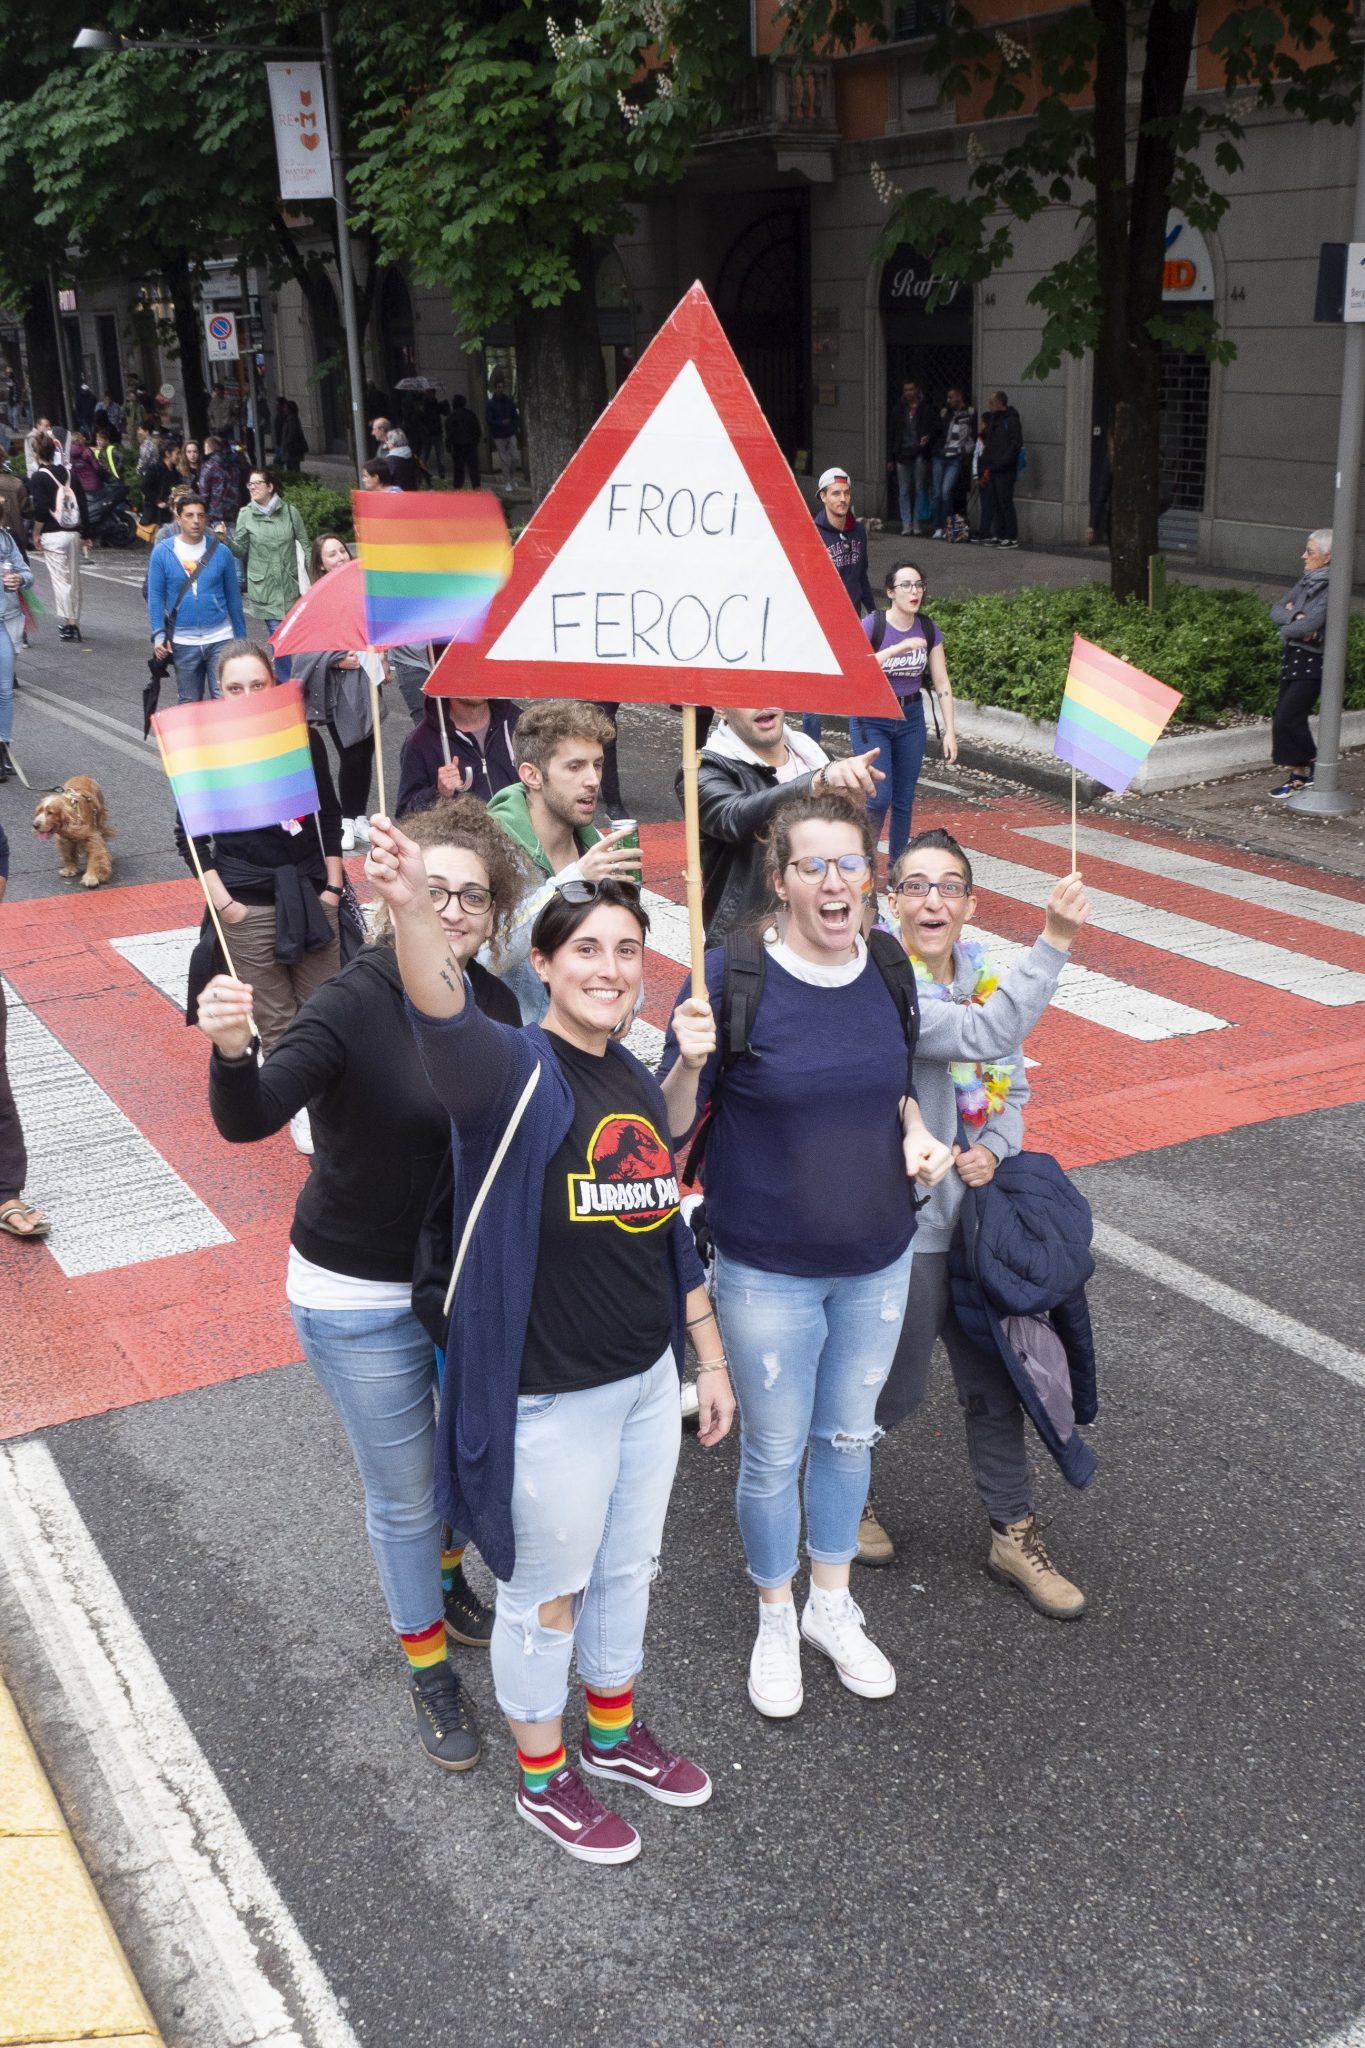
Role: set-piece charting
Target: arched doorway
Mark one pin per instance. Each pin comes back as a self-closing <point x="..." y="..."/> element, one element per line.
<point x="397" y="329"/>
<point x="328" y="363"/>
<point x="763" y="301"/>
<point x="929" y="347"/>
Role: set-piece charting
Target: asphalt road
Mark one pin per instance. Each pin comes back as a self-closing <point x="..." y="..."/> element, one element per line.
<point x="1136" y="1832"/>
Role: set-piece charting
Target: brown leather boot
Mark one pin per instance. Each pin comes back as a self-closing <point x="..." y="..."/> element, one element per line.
<point x="1018" y="1559"/>
<point x="874" y="1545"/>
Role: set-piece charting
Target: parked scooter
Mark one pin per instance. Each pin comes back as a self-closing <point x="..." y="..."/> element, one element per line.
<point x="112" y="520"/>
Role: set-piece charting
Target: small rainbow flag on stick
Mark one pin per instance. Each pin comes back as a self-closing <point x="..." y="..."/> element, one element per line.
<point x="1111" y="715"/>
<point x="433" y="560"/>
<point x="238" y="762"/>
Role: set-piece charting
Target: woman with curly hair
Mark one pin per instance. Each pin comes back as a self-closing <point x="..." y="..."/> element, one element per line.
<point x="381" y="1139"/>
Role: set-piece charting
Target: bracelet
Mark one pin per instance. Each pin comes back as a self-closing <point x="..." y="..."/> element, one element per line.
<point x="709" y="1317"/>
<point x="716" y="1365"/>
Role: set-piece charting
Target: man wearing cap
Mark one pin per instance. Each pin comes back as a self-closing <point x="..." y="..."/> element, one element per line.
<point x="846" y="542"/>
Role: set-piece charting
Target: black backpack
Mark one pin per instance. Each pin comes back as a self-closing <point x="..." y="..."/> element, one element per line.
<point x="746" y="965"/>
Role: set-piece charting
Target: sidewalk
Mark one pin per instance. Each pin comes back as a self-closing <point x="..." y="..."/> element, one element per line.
<point x="63" y="1976"/>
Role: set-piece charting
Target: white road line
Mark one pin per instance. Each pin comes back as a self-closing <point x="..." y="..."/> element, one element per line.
<point x="163" y="957"/>
<point x="88" y="714"/>
<point x="1253" y="1315"/>
<point x="1317" y="981"/>
<point x="79" y="1140"/>
<point x="228" y="1947"/>
<point x="1247" y="885"/>
<point x="668" y="927"/>
<point x="1352" y="2036"/>
<point x="50" y="706"/>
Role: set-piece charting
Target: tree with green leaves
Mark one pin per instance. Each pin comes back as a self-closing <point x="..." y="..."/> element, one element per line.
<point x="143" y="163"/>
<point x="498" y="151"/>
<point x="1119" y="167"/>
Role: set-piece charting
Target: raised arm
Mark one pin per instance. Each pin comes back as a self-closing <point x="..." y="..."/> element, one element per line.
<point x="991" y="1031"/>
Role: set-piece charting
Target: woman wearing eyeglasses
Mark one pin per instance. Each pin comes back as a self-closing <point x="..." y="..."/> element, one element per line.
<point x="813" y="1154"/>
<point x="909" y="647"/>
<point x="978" y="1107"/>
<point x="380" y="1139"/>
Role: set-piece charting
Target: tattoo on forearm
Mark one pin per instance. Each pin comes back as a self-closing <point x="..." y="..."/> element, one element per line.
<point x="449" y="980"/>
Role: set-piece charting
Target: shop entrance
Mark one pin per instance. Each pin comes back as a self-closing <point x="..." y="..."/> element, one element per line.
<point x="932" y="348"/>
<point x="763" y="303"/>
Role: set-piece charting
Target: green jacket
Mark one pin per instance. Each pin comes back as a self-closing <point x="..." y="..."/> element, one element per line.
<point x="268" y="542"/>
<point x="511" y="810"/>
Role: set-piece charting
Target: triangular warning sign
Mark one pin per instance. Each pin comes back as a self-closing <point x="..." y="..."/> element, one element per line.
<point x="675" y="560"/>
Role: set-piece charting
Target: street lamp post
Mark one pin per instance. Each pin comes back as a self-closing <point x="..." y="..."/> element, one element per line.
<point x="104" y="39"/>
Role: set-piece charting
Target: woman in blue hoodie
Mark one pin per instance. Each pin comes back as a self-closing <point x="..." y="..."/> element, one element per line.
<point x="574" y="1278"/>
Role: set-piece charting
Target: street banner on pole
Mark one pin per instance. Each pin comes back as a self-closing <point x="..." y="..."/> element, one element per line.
<point x="675" y="561"/>
<point x="299" y="113"/>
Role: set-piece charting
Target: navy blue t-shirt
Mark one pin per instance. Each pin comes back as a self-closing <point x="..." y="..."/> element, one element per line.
<point x="804" y="1168"/>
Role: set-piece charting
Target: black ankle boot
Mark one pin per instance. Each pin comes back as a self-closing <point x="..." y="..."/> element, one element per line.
<point x="6" y="765"/>
<point x="468" y="1620"/>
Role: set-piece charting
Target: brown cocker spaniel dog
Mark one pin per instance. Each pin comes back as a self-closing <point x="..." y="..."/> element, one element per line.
<point x="76" y="818"/>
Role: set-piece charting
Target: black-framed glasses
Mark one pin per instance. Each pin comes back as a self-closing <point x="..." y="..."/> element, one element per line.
<point x="911" y="588"/>
<point x="952" y="888"/>
<point x="583" y="891"/>
<point x="811" y="867"/>
<point x="472" y="897"/>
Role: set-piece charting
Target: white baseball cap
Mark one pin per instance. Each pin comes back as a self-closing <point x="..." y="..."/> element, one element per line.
<point x="833" y="476"/>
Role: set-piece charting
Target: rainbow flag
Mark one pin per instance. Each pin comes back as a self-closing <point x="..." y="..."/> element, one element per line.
<point x="433" y="561"/>
<point x="238" y="762"/>
<point x="1111" y="715"/>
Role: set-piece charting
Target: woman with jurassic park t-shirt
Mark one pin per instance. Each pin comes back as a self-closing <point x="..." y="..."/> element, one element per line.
<point x="559" y="1424"/>
<point x="909" y="647"/>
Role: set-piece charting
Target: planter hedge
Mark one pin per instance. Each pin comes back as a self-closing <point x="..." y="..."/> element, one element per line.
<point x="1216" y="646"/>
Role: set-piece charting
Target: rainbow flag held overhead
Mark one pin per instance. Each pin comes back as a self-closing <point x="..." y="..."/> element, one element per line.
<point x="433" y="561"/>
<point x="1111" y="715"/>
<point x="238" y="762"/>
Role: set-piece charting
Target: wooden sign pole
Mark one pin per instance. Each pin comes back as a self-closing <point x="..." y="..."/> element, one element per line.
<point x="696" y="926"/>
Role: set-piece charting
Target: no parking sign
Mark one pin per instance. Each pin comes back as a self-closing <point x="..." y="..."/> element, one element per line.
<point x="221" y="330"/>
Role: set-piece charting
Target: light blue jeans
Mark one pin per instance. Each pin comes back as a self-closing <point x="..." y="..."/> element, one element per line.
<point x="378" y="1370"/>
<point x="284" y="663"/>
<point x="196" y="672"/>
<point x="594" y="1471"/>
<point x="808" y="1359"/>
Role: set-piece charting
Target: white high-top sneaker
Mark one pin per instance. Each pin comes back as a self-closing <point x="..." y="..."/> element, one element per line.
<point x="775" y="1666"/>
<point x="834" y="1623"/>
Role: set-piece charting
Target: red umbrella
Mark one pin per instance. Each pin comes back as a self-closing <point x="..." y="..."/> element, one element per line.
<point x="330" y="614"/>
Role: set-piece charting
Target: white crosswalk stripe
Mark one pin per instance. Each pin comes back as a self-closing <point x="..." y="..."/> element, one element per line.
<point x="1316" y="981"/>
<point x="1247" y="885"/>
<point x="111" y="1197"/>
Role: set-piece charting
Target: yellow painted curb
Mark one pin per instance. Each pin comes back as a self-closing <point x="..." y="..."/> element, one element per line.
<point x="63" y="1975"/>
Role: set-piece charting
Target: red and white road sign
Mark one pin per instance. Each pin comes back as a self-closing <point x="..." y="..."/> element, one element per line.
<point x="676" y="561"/>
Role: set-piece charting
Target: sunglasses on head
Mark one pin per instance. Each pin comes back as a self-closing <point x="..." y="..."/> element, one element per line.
<point x="582" y="891"/>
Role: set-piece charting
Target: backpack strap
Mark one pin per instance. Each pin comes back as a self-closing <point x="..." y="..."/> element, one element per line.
<point x="746" y="964"/>
<point x="893" y="964"/>
<point x="878" y="632"/>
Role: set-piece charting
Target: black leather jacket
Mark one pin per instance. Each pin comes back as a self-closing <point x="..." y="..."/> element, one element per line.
<point x="736" y="798"/>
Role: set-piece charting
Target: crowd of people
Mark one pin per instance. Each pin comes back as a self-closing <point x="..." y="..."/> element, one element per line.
<point x="954" y="473"/>
<point x="490" y="1271"/>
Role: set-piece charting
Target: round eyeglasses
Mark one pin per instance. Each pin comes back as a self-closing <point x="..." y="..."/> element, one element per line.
<point x="952" y="888"/>
<point x="812" y="866"/>
<point x="471" y="897"/>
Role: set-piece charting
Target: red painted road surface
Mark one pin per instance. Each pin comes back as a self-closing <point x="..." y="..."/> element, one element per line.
<point x="73" y="1347"/>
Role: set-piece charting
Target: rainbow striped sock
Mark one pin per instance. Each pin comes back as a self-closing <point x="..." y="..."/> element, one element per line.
<point x="450" y="1564"/>
<point x="427" y="1649"/>
<point x="610" y="1715"/>
<point x="537" y="1771"/>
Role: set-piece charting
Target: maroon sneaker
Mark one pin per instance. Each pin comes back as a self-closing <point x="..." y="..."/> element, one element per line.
<point x="642" y="1761"/>
<point x="567" y="1812"/>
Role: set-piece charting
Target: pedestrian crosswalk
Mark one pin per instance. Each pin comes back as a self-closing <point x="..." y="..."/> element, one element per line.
<point x="1206" y="993"/>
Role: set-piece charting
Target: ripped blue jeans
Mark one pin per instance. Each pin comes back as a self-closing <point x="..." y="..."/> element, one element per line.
<point x="593" y="1474"/>
<point x="808" y="1359"/>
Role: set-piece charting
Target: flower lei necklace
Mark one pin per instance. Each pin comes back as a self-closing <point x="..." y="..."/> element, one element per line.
<point x="981" y="1090"/>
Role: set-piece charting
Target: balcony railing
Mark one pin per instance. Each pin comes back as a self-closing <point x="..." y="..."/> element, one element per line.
<point x="781" y="101"/>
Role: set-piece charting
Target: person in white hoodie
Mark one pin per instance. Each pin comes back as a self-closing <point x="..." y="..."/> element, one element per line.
<point x="751" y="760"/>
